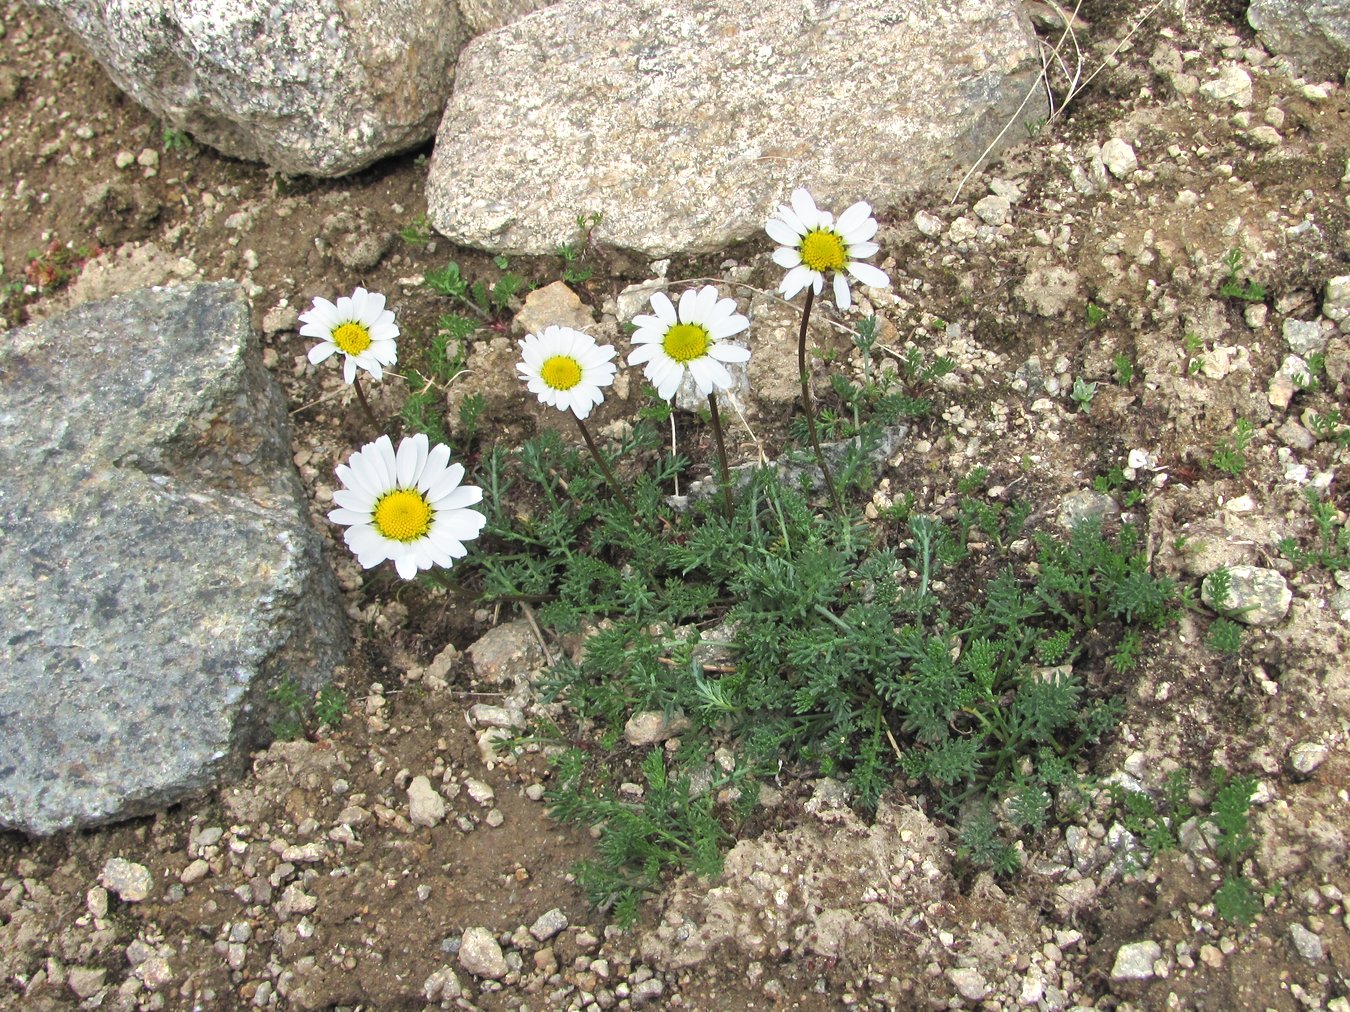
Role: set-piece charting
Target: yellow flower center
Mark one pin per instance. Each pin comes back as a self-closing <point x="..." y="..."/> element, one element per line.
<point x="561" y="372"/>
<point x="822" y="251"/>
<point x="685" y="342"/>
<point x="403" y="515"/>
<point x="351" y="337"/>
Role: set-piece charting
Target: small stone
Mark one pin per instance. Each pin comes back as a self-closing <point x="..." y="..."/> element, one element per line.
<point x="1304" y="337"/>
<point x="1265" y="136"/>
<point x="154" y="972"/>
<point x="548" y="924"/>
<point x="1306" y="944"/>
<point x="295" y="902"/>
<point x="651" y="726"/>
<point x="1119" y="158"/>
<point x="1211" y="956"/>
<point x="928" y="224"/>
<point x="647" y="992"/>
<point x="479" y="791"/>
<point x="148" y="158"/>
<point x="480" y="955"/>
<point x="425" y="806"/>
<point x="1256" y="596"/>
<point x="1306" y="756"/>
<point x="992" y="210"/>
<point x="487" y="715"/>
<point x="1233" y="85"/>
<point x="1135" y="961"/>
<point x="962" y="230"/>
<point x="1085" y="505"/>
<point x="85" y="981"/>
<point x="969" y="982"/>
<point x="552" y="304"/>
<point x="130" y="881"/>
<point x="1336" y="301"/>
<point x="194" y="872"/>
<point x="441" y="986"/>
<point x="495" y="819"/>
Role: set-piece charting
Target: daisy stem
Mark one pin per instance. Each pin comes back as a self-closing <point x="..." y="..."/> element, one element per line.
<point x="604" y="469"/>
<point x="721" y="454"/>
<point x="807" y="403"/>
<point x="361" y="396"/>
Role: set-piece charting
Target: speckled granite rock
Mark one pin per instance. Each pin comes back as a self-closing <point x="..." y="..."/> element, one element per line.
<point x="1314" y="35"/>
<point x="686" y="122"/>
<point x="161" y="572"/>
<point x="320" y="88"/>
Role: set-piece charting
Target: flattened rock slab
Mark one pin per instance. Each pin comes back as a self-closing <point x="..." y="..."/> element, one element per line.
<point x="686" y="122"/>
<point x="160" y="571"/>
<point x="316" y="87"/>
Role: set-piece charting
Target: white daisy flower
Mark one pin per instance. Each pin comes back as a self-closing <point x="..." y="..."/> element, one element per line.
<point x="358" y="326"/>
<point x="813" y="243"/>
<point x="566" y="368"/>
<point x="672" y="343"/>
<point x="407" y="506"/>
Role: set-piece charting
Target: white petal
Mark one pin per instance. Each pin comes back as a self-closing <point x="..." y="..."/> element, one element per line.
<point x="406" y="566"/>
<point x="805" y="207"/>
<point x="781" y="232"/>
<point x="797" y="279"/>
<point x="349" y="369"/>
<point x="862" y="250"/>
<point x="688" y="305"/>
<point x="406" y="461"/>
<point x="729" y="353"/>
<point x="787" y="257"/>
<point x="448" y="480"/>
<point x="869" y="275"/>
<point x="320" y="352"/>
<point x="458" y="499"/>
<point x="642" y="353"/>
<point x="664" y="308"/>
<point x="842" y="297"/>
<point x="854" y="216"/>
<point x="790" y="219"/>
<point x="723" y="329"/>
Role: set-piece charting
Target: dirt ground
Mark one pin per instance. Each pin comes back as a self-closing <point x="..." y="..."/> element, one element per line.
<point x="307" y="885"/>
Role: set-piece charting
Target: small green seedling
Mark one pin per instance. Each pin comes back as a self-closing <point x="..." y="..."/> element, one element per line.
<point x="1082" y="393"/>
<point x="1229" y="457"/>
<point x="1233" y="288"/>
<point x="1124" y="369"/>
<point x="1094" y="314"/>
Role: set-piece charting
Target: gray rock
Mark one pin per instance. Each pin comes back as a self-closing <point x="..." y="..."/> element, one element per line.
<point x="131" y="882"/>
<point x="1304" y="337"/>
<point x="161" y="571"/>
<point x="1118" y="157"/>
<point x="1256" y="596"/>
<point x="509" y="651"/>
<point x="1306" y="756"/>
<point x="425" y="806"/>
<point x="321" y="88"/>
<point x="1135" y="961"/>
<point x="992" y="210"/>
<point x="1336" y="303"/>
<point x="548" y="924"/>
<point x="1233" y="85"/>
<point x="969" y="982"/>
<point x="480" y="954"/>
<point x="652" y="726"/>
<point x="1085" y="505"/>
<point x="1306" y="944"/>
<point x="723" y="113"/>
<point x="1313" y="36"/>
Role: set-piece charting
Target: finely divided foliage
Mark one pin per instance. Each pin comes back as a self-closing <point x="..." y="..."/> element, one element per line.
<point x="792" y="636"/>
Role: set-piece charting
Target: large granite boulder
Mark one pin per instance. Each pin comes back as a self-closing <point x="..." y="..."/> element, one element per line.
<point x="685" y="122"/>
<point x="161" y="573"/>
<point x="319" y="87"/>
<point x="1314" y="35"/>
